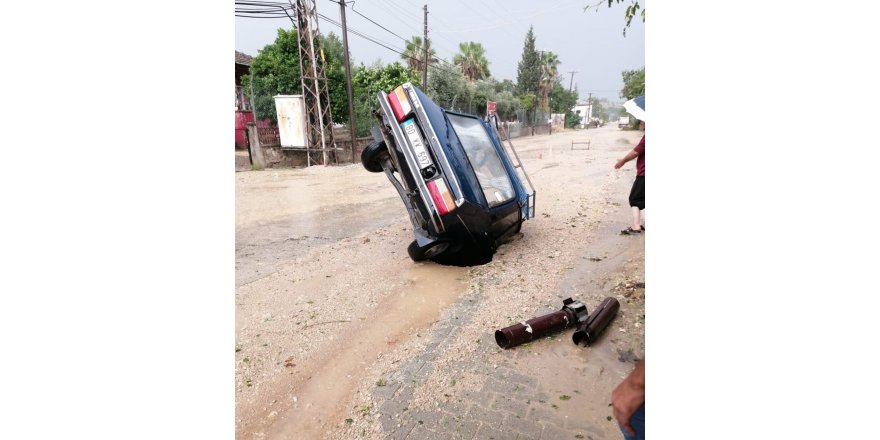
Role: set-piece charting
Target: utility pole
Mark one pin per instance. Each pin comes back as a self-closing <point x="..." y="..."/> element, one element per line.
<point x="572" y="80"/>
<point x="590" y="111"/>
<point x="351" y="120"/>
<point x="319" y="119"/>
<point x="425" y="58"/>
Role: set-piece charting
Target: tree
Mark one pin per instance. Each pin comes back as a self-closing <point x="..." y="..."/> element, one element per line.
<point x="482" y="90"/>
<point x="505" y="105"/>
<point x="549" y="73"/>
<point x="599" y="108"/>
<point x="630" y="12"/>
<point x="633" y="83"/>
<point x="572" y="119"/>
<point x="472" y="61"/>
<point x="528" y="72"/>
<point x="562" y="100"/>
<point x="366" y="81"/>
<point x="414" y="54"/>
<point x="505" y="85"/>
<point x="274" y="71"/>
<point x="334" y="69"/>
<point x="528" y="101"/>
<point x="448" y="88"/>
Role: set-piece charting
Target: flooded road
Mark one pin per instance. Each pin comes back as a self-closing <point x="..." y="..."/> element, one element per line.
<point x="331" y="312"/>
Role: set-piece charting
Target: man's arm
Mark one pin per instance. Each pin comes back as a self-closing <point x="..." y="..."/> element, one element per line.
<point x="632" y="154"/>
<point x="629" y="156"/>
<point x="629" y="396"/>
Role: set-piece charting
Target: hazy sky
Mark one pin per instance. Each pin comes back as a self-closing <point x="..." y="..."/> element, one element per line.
<point x="590" y="43"/>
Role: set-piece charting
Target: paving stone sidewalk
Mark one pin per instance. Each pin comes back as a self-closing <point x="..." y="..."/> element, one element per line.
<point x="568" y="400"/>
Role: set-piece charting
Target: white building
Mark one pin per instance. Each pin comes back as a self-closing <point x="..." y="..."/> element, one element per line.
<point x="585" y="111"/>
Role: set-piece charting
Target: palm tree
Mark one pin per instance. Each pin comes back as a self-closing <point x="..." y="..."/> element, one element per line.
<point x="472" y="61"/>
<point x="549" y="73"/>
<point x="414" y="54"/>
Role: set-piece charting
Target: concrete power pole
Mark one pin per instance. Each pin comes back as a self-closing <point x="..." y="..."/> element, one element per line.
<point x="425" y="59"/>
<point x="571" y="81"/>
<point x="590" y="111"/>
<point x="351" y="119"/>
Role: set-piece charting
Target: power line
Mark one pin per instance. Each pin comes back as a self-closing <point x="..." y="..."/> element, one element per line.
<point x="394" y="11"/>
<point x="273" y="6"/>
<point x="383" y="44"/>
<point x="377" y="24"/>
<point x="402" y="10"/>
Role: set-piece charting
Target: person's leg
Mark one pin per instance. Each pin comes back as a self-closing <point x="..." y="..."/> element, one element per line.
<point x="637" y="203"/>
<point x="637" y="218"/>
<point x="637" y="421"/>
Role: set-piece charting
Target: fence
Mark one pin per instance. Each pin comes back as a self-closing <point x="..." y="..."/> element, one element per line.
<point x="516" y="120"/>
<point x="268" y="133"/>
<point x="517" y="129"/>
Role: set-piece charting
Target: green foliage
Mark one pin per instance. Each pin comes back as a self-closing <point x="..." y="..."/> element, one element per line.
<point x="367" y="81"/>
<point x="599" y="109"/>
<point x="448" y="88"/>
<point x="633" y="83"/>
<point x="334" y="69"/>
<point x="275" y="71"/>
<point x="373" y="79"/>
<point x="572" y="119"/>
<point x="549" y="73"/>
<point x="561" y="100"/>
<point x="631" y="10"/>
<point x="528" y="101"/>
<point x="414" y="54"/>
<point x="506" y="105"/>
<point x="505" y="85"/>
<point x="472" y="60"/>
<point x="528" y="72"/>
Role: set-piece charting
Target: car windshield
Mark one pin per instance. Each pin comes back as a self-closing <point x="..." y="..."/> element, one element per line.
<point x="484" y="159"/>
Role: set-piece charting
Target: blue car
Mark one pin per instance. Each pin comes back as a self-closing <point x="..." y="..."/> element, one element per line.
<point x="462" y="191"/>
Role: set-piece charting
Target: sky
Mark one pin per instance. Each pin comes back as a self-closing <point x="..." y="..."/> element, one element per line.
<point x="590" y="43"/>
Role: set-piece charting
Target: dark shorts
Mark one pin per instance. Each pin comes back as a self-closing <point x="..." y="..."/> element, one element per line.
<point x="637" y="421"/>
<point x="637" y="194"/>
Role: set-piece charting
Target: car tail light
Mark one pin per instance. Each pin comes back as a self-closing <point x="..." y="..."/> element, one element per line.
<point x="441" y="195"/>
<point x="399" y="103"/>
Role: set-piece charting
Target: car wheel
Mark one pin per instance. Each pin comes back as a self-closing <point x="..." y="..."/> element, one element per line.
<point x="371" y="157"/>
<point x="421" y="253"/>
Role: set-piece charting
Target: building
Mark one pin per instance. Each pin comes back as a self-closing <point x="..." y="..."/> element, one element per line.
<point x="243" y="111"/>
<point x="585" y="111"/>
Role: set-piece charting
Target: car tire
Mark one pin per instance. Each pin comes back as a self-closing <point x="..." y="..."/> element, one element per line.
<point x="422" y="253"/>
<point x="371" y="157"/>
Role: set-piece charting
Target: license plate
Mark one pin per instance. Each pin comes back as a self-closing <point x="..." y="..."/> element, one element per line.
<point x="415" y="138"/>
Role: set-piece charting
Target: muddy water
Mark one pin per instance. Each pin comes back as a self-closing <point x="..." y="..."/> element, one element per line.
<point x="311" y="243"/>
<point x="429" y="288"/>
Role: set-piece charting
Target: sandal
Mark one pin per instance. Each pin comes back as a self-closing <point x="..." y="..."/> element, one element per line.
<point x="630" y="231"/>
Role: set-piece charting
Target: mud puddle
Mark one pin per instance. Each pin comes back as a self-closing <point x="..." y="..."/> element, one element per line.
<point x="322" y="389"/>
<point x="263" y="248"/>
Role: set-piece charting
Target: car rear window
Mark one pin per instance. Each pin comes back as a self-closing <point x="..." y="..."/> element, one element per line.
<point x="484" y="159"/>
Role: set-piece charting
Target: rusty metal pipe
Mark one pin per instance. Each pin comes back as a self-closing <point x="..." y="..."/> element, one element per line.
<point x="590" y="329"/>
<point x="572" y="312"/>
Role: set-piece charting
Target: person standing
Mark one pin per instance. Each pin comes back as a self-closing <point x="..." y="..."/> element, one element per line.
<point x="628" y="402"/>
<point x="637" y="193"/>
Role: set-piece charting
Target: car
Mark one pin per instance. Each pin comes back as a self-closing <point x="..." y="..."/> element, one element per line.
<point x="623" y="122"/>
<point x="462" y="190"/>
